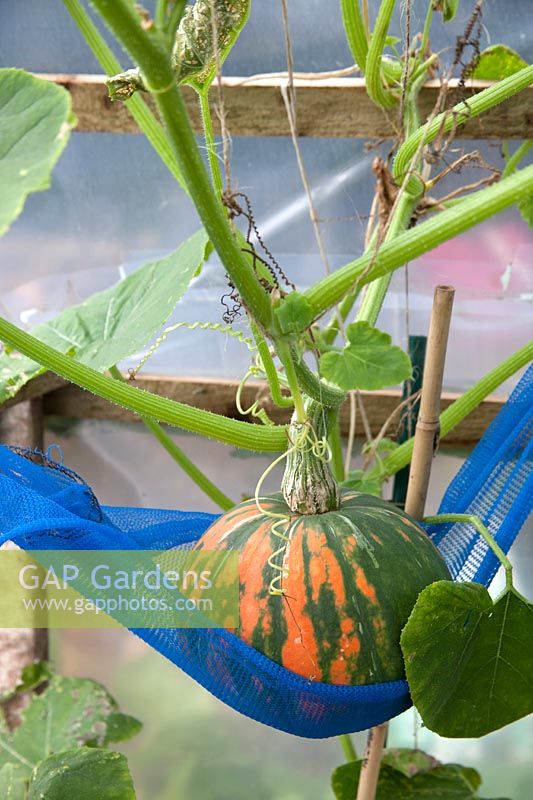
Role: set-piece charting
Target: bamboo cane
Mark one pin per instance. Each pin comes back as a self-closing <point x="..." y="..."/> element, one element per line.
<point x="425" y="443"/>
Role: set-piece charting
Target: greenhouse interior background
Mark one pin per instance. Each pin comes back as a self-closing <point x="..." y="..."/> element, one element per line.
<point x="112" y="205"/>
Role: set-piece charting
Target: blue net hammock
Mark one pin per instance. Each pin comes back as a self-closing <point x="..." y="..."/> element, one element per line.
<point x="49" y="507"/>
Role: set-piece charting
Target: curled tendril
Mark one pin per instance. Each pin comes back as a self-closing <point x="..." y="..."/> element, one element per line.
<point x="192" y="326"/>
<point x="282" y="522"/>
<point x="255" y="409"/>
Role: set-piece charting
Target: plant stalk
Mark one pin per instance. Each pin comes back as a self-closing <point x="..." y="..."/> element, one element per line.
<point x="425" y="237"/>
<point x="514" y="160"/>
<point x="190" y="469"/>
<point x="356" y="33"/>
<point x="374" y="77"/>
<point x="424" y="449"/>
<point x="154" y="64"/>
<point x="452" y="118"/>
<point x="137" y="107"/>
<point x="376" y="291"/>
<point x="210" y="143"/>
<point x="271" y="438"/>
<point x="347" y="745"/>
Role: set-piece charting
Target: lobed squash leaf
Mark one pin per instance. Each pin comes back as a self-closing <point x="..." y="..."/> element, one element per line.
<point x="468" y="660"/>
<point x="35" y="123"/>
<point x="115" y="323"/>
<point x="498" y="62"/>
<point x="368" y="361"/>
<point x="71" y="711"/>
<point x="84" y="773"/>
<point x="410" y="775"/>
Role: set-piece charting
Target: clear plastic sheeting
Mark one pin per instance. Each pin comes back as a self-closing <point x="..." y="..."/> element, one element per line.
<point x="113" y="206"/>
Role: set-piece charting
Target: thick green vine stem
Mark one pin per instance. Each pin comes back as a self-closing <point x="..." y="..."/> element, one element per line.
<point x="138" y="109"/>
<point x="374" y="77"/>
<point x="210" y="142"/>
<point x="269" y="367"/>
<point x="271" y="438"/>
<point x="471" y="519"/>
<point x="513" y="161"/>
<point x="457" y="411"/>
<point x="152" y="58"/>
<point x="376" y="291"/>
<point x="308" y="484"/>
<point x="415" y="242"/>
<point x="458" y="115"/>
<point x="183" y="460"/>
<point x="354" y="28"/>
<point x="324" y="393"/>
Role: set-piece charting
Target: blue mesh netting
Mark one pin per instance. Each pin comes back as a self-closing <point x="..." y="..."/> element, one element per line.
<point x="45" y="506"/>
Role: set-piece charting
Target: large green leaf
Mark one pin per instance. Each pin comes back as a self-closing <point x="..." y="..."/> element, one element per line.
<point x="86" y="773"/>
<point x="469" y="661"/>
<point x="13" y="782"/>
<point x="35" y="123"/>
<point x="410" y="775"/>
<point x="194" y="56"/>
<point x="115" y="323"/>
<point x="368" y="361"/>
<point x="498" y="62"/>
<point x="70" y="712"/>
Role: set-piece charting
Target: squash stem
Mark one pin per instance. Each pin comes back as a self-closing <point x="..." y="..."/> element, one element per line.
<point x="348" y="747"/>
<point x="210" y="143"/>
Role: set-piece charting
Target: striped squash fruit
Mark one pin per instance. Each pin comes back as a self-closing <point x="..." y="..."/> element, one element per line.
<point x="351" y="578"/>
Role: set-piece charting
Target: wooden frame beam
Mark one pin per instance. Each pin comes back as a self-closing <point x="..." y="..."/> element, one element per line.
<point x="337" y="107"/>
<point x="64" y="400"/>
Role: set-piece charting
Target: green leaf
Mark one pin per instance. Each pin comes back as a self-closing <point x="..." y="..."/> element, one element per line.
<point x="194" y="58"/>
<point x="31" y="677"/>
<point x="84" y="773"/>
<point x="70" y="712"/>
<point x="358" y="481"/>
<point x="121" y="727"/>
<point x="447" y="7"/>
<point x="35" y="123"/>
<point x="498" y="62"/>
<point x="410" y="775"/>
<point x="294" y="314"/>
<point x="384" y="446"/>
<point x="115" y="323"/>
<point x="469" y="661"/>
<point x="368" y="361"/>
<point x="13" y="782"/>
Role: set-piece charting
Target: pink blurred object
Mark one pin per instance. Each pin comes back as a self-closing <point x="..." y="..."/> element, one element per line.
<point x="494" y="260"/>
